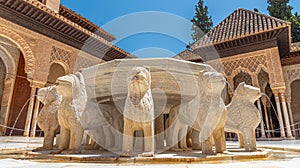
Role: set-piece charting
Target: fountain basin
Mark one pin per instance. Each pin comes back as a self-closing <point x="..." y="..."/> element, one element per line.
<point x="174" y="81"/>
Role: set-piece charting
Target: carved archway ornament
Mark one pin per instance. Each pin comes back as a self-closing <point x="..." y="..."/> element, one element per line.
<point x="23" y="46"/>
<point x="291" y="74"/>
<point x="8" y="62"/>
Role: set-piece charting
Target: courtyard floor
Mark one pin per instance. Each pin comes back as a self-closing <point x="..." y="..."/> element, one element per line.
<point x="16" y="152"/>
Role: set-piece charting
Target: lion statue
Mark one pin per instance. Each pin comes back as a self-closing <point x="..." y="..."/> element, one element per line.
<point x="176" y="133"/>
<point x="104" y="124"/>
<point x="243" y="116"/>
<point x="138" y="111"/>
<point x="205" y="113"/>
<point x="47" y="119"/>
<point x="73" y="104"/>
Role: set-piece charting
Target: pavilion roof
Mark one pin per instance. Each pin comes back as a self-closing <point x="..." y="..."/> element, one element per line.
<point x="240" y="23"/>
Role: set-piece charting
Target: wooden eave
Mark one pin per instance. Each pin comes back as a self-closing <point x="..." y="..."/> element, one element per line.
<point x="85" y="23"/>
<point x="245" y="41"/>
<point x="292" y="60"/>
<point x="35" y="16"/>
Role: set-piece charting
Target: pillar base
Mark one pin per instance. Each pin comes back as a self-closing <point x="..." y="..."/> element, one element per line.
<point x="270" y="139"/>
<point x="290" y="138"/>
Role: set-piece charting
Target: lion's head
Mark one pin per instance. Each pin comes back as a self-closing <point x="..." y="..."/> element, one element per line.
<point x="138" y="82"/>
<point x="211" y="82"/>
<point x="248" y="92"/>
<point x="48" y="95"/>
<point x="64" y="86"/>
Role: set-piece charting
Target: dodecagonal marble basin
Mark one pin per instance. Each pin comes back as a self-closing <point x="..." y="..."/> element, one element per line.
<point x="173" y="81"/>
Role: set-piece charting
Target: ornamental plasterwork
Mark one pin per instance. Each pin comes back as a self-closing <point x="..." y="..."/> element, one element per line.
<point x="83" y="61"/>
<point x="60" y="55"/>
<point x="24" y="47"/>
<point x="251" y="65"/>
<point x="291" y="73"/>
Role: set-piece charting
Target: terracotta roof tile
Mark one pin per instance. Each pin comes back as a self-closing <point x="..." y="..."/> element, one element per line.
<point x="188" y="56"/>
<point x="295" y="47"/>
<point x="240" y="23"/>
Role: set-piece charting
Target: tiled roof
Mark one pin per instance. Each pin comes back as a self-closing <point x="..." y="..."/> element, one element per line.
<point x="188" y="56"/>
<point x="240" y="23"/>
<point x="295" y="47"/>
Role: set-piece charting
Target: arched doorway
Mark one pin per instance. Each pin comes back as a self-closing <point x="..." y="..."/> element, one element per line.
<point x="295" y="102"/>
<point x="20" y="100"/>
<point x="56" y="70"/>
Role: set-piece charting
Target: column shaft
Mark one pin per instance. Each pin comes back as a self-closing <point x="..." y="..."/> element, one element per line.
<point x="262" y="128"/>
<point x="286" y="116"/>
<point x="291" y="117"/>
<point x="29" y="112"/>
<point x="282" y="132"/>
<point x="34" y="119"/>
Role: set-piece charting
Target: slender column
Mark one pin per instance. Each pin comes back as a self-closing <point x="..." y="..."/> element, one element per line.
<point x="29" y="112"/>
<point x="5" y="104"/>
<point x="269" y="111"/>
<point x="264" y="101"/>
<point x="34" y="119"/>
<point x="286" y="115"/>
<point x="262" y="128"/>
<point x="282" y="132"/>
<point x="291" y="117"/>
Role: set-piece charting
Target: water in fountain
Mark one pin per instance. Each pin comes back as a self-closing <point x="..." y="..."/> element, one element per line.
<point x="22" y="109"/>
<point x="273" y="107"/>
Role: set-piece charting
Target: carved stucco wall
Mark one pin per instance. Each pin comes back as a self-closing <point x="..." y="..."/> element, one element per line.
<point x="61" y="56"/>
<point x="84" y="60"/>
<point x="23" y="46"/>
<point x="291" y="73"/>
<point x="252" y="63"/>
<point x="41" y="51"/>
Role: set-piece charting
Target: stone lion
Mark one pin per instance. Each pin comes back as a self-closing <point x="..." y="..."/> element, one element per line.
<point x="47" y="119"/>
<point x="104" y="125"/>
<point x="74" y="100"/>
<point x="138" y="111"/>
<point x="243" y="116"/>
<point x="176" y="133"/>
<point x="206" y="113"/>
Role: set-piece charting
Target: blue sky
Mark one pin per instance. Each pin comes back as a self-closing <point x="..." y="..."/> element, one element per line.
<point x="156" y="28"/>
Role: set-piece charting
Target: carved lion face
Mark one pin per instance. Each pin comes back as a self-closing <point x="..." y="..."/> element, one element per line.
<point x="247" y="92"/>
<point x="64" y="86"/>
<point x="211" y="81"/>
<point x="139" y="81"/>
<point x="48" y="95"/>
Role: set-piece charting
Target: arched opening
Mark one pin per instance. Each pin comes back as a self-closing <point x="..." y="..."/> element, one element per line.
<point x="242" y="77"/>
<point x="2" y="78"/>
<point x="295" y="102"/>
<point x="270" y="120"/>
<point x="56" y="70"/>
<point x="20" y="99"/>
<point x="272" y="112"/>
